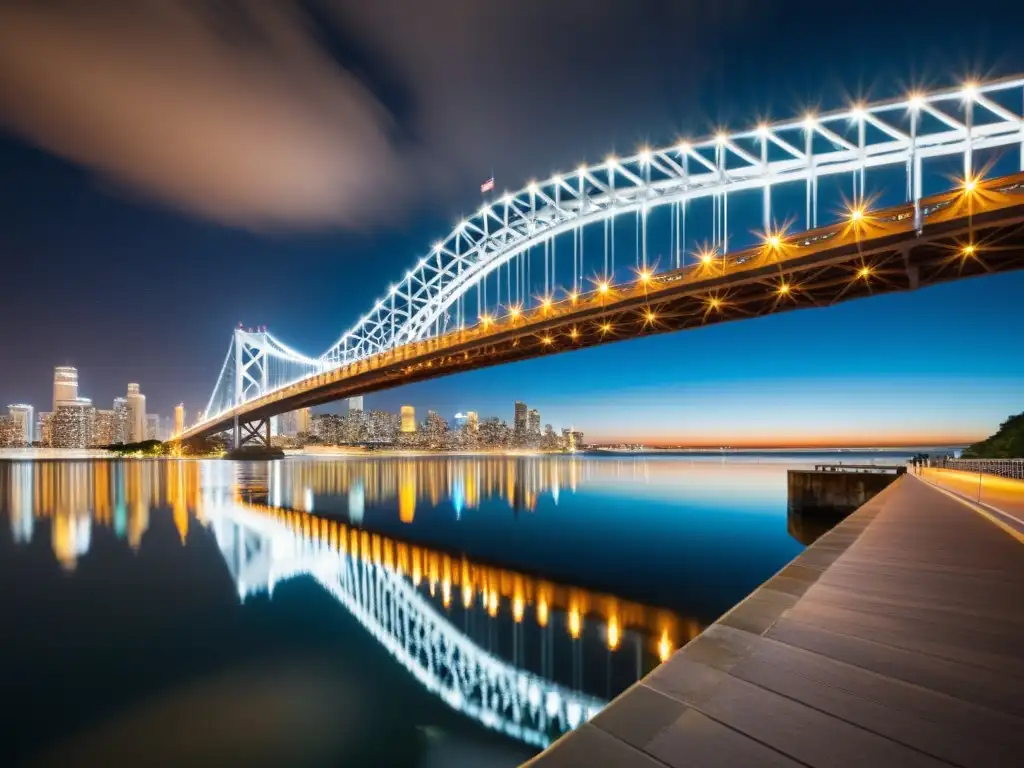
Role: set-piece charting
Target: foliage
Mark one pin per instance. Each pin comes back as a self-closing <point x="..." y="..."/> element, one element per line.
<point x="1006" y="443"/>
<point x="146" y="448"/>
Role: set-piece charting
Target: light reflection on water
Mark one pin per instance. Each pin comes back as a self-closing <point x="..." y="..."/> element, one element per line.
<point x="523" y="592"/>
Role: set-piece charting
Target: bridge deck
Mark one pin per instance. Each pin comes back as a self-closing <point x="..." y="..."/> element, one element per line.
<point x="895" y="639"/>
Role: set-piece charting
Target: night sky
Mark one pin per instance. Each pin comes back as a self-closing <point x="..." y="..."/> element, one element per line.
<point x="166" y="173"/>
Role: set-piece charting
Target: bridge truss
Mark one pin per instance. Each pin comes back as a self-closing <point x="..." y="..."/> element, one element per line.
<point x="663" y="209"/>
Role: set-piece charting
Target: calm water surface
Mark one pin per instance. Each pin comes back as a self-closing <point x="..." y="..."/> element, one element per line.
<point x="438" y="611"/>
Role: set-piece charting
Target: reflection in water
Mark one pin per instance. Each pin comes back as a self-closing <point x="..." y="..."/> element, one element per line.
<point x="505" y="648"/>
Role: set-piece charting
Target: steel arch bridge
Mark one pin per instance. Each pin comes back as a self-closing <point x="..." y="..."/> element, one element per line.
<point x="261" y="551"/>
<point x="660" y="220"/>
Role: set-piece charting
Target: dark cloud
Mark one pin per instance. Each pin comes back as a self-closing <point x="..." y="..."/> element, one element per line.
<point x="341" y="112"/>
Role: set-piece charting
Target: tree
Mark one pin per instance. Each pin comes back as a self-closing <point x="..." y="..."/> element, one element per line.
<point x="1006" y="443"/>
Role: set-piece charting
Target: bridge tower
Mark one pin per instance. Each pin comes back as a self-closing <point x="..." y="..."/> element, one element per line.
<point x="252" y="379"/>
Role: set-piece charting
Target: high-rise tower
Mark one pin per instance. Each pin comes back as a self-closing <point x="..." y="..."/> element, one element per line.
<point x="136" y="414"/>
<point x="65" y="385"/>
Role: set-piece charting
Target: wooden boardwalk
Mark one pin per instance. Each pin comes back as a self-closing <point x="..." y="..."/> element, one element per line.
<point x="897" y="639"/>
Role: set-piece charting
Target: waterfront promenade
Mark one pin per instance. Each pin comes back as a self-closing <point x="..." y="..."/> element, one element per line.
<point x="896" y="639"/>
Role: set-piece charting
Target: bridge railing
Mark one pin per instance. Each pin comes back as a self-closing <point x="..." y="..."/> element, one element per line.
<point x="1012" y="468"/>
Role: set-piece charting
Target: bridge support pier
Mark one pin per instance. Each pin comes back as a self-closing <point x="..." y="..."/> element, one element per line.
<point x="251" y="433"/>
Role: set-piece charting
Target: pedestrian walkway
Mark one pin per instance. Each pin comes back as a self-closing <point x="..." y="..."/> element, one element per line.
<point x="896" y="639"/>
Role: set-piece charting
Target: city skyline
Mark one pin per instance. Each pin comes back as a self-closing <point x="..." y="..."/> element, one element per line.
<point x="892" y="370"/>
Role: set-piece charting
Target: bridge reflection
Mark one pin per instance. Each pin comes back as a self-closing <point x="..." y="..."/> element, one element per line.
<point x="518" y="653"/>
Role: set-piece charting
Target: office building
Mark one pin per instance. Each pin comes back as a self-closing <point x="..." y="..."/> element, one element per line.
<point x="408" y="418"/>
<point x="153" y="426"/>
<point x="461" y="420"/>
<point x="355" y="404"/>
<point x="24" y="417"/>
<point x="70" y="426"/>
<point x="11" y="433"/>
<point x="533" y="422"/>
<point x="136" y="414"/>
<point x="519" y="422"/>
<point x="43" y="427"/>
<point x="104" y="428"/>
<point x="472" y="421"/>
<point x="301" y="421"/>
<point x="122" y="418"/>
<point x="65" y="385"/>
<point x="179" y="419"/>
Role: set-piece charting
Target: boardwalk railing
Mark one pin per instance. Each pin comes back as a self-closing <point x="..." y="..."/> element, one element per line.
<point x="1013" y="468"/>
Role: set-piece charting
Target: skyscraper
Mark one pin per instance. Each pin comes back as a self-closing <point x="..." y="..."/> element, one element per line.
<point x="24" y="418"/>
<point x="70" y="425"/>
<point x="355" y="403"/>
<point x="302" y="421"/>
<point x="104" y="428"/>
<point x="408" y="418"/>
<point x="519" y="422"/>
<point x="136" y="414"/>
<point x="65" y="384"/>
<point x="43" y="427"/>
<point x="533" y="422"/>
<point x="122" y="420"/>
<point x="472" y="421"/>
<point x="461" y="420"/>
<point x="153" y="427"/>
<point x="179" y="419"/>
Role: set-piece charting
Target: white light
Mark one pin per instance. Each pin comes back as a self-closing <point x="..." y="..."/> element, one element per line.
<point x="762" y="130"/>
<point x="582" y="169"/>
<point x="721" y="137"/>
<point x="462" y="224"/>
<point x="969" y="90"/>
<point x="507" y="199"/>
<point x="485" y="210"/>
<point x="532" y="187"/>
<point x="857" y="110"/>
<point x="644" y="155"/>
<point x="556" y="179"/>
<point x="684" y="147"/>
<point x="810" y="121"/>
<point x="612" y="160"/>
<point x="438" y="246"/>
<point x="915" y="101"/>
<point x="393" y="289"/>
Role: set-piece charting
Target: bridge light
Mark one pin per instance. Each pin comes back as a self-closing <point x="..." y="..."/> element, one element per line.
<point x="856" y="214"/>
<point x="762" y="130"/>
<point x="573" y="296"/>
<point x="706" y="257"/>
<point x="915" y="100"/>
<point x="864" y="272"/>
<point x="613" y="633"/>
<point x="582" y="169"/>
<point x="532" y="187"/>
<point x="969" y="90"/>
<point x="969" y="250"/>
<point x="485" y="320"/>
<point x="810" y="121"/>
<point x="858" y="111"/>
<point x="644" y="155"/>
<point x="773" y="241"/>
<point x="485" y="210"/>
<point x="546" y="303"/>
<point x="546" y="340"/>
<point x="715" y="303"/>
<point x="970" y="184"/>
<point x="650" y="317"/>
<point x="645" y="276"/>
<point x="438" y="246"/>
<point x="783" y="289"/>
<point x="556" y="179"/>
<point x="612" y="161"/>
<point x="606" y="327"/>
<point x="721" y="137"/>
<point x="574" y="334"/>
<point x="462" y="225"/>
<point x="603" y="287"/>
<point x="514" y="311"/>
<point x="664" y="647"/>
<point x="684" y="147"/>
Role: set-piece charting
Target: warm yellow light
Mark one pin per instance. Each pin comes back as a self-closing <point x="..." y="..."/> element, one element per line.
<point x="574" y="333"/>
<point x="856" y="214"/>
<point x="492" y="603"/>
<point x="514" y="311"/>
<point x="542" y="612"/>
<point x="613" y="633"/>
<point x="645" y="276"/>
<point x="864" y="272"/>
<point x="546" y="303"/>
<point x="664" y="647"/>
<point x="784" y="288"/>
<point x="715" y="303"/>
<point x="546" y="340"/>
<point x="573" y="296"/>
<point x="603" y="287"/>
<point x="706" y="257"/>
<point x="970" y="185"/>
<point x="651" y="317"/>
<point x="517" y="608"/>
<point x="575" y="623"/>
<point x="606" y="327"/>
<point x="969" y="250"/>
<point x="774" y="241"/>
<point x="467" y="595"/>
<point x="486" y="320"/>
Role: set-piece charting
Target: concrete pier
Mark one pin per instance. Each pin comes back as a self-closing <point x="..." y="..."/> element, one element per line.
<point x="896" y="639"/>
<point x="837" y="489"/>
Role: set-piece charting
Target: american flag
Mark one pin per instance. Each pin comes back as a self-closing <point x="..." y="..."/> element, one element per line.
<point x="487" y="186"/>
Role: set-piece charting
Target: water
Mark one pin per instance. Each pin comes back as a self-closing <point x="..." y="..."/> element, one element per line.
<point x="366" y="611"/>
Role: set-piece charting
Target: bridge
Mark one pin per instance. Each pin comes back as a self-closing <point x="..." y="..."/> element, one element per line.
<point x="826" y="208"/>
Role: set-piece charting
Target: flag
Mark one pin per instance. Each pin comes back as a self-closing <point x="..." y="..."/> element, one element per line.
<point x="487" y="186"/>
